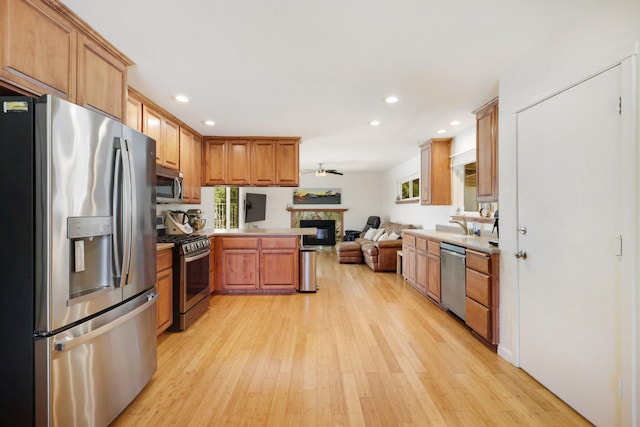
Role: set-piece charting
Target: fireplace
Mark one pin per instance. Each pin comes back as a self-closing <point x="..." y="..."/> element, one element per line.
<point x="326" y="235"/>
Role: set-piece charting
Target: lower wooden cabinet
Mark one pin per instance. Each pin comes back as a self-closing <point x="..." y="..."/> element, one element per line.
<point x="256" y="264"/>
<point x="409" y="258"/>
<point x="212" y="263"/>
<point x="481" y="305"/>
<point x="164" y="286"/>
<point x="422" y="276"/>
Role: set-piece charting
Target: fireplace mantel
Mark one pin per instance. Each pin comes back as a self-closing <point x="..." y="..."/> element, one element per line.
<point x="336" y="214"/>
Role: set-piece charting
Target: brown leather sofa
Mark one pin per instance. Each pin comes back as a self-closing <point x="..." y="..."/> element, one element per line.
<point x="380" y="255"/>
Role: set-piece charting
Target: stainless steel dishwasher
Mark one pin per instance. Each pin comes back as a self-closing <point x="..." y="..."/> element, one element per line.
<point x="452" y="278"/>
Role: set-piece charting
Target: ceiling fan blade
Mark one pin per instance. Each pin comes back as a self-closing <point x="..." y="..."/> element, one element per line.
<point x="333" y="171"/>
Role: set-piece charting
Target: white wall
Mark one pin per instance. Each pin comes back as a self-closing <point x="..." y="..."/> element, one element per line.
<point x="604" y="34"/>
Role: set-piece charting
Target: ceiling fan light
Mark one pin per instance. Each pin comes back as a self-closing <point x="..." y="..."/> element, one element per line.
<point x="321" y="173"/>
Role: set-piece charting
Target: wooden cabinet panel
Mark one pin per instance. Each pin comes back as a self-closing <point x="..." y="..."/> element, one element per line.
<point x="409" y="263"/>
<point x="408" y="240"/>
<point x="102" y="79"/>
<point x="239" y="243"/>
<point x="152" y="127"/>
<point x="421" y="277"/>
<point x="39" y="48"/>
<point x="479" y="287"/>
<point x="487" y="152"/>
<point x="433" y="247"/>
<point x="239" y="161"/>
<point x="433" y="285"/>
<point x="435" y="172"/>
<point x="287" y="163"/>
<point x="212" y="269"/>
<point x="421" y="244"/>
<point x="240" y="269"/>
<point x="134" y="113"/>
<point x="214" y="162"/>
<point x="190" y="165"/>
<point x="478" y="318"/>
<point x="263" y="167"/>
<point x="279" y="269"/>
<point x="164" y="286"/>
<point x="279" y="242"/>
<point x="171" y="157"/>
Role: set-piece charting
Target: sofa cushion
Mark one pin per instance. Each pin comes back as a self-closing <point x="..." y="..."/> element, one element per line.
<point x="370" y="250"/>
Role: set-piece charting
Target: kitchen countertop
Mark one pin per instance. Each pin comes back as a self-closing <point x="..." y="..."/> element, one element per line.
<point x="213" y="232"/>
<point x="477" y="243"/>
<point x="162" y="246"/>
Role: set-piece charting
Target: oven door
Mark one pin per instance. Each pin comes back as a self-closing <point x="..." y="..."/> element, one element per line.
<point x="194" y="280"/>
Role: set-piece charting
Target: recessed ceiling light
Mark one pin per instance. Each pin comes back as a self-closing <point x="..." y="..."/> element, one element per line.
<point x="209" y="123"/>
<point x="455" y="123"/>
<point x="392" y="99"/>
<point x="182" y="98"/>
<point x="374" y="123"/>
<point x="442" y="131"/>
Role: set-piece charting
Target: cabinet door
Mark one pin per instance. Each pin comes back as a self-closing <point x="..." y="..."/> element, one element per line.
<point x="478" y="318"/>
<point x="134" y="113"/>
<point x="214" y="162"/>
<point x="409" y="263"/>
<point x="38" y="49"/>
<point x="165" y="289"/>
<point x="239" y="161"/>
<point x="240" y="269"/>
<point x="152" y="127"/>
<point x="102" y="79"/>
<point x="279" y="269"/>
<point x="421" y="264"/>
<point x="487" y="153"/>
<point x="287" y="163"/>
<point x="196" y="165"/>
<point x="186" y="166"/>
<point x="425" y="175"/>
<point x="263" y="168"/>
<point x="171" y="154"/>
<point x="433" y="286"/>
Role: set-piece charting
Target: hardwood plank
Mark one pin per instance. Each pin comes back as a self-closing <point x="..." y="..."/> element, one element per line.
<point x="366" y="349"/>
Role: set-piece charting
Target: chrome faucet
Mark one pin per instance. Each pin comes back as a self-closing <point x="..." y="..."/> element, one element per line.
<point x="462" y="224"/>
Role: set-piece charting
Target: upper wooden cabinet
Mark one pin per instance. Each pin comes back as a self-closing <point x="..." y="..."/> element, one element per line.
<point x="134" y="113"/>
<point x="487" y="152"/>
<point x="166" y="133"/>
<point x="190" y="165"/>
<point x="48" y="49"/>
<point x="102" y="79"/>
<point x="435" y="172"/>
<point x="256" y="161"/>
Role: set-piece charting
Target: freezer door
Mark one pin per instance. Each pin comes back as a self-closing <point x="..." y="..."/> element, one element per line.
<point x="142" y="265"/>
<point x="75" y="158"/>
<point x="87" y="375"/>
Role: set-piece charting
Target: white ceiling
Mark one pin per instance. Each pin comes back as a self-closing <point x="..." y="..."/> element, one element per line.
<point x="321" y="69"/>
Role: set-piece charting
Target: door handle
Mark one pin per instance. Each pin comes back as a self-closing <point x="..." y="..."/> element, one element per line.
<point x="521" y="254"/>
<point x="522" y="230"/>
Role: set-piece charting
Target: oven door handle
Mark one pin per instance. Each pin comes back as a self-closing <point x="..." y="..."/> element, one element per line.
<point x="197" y="257"/>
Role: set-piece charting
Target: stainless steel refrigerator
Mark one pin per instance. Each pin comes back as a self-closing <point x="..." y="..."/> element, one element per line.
<point x="77" y="266"/>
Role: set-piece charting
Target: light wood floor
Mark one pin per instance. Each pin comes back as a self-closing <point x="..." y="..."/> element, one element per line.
<point x="366" y="349"/>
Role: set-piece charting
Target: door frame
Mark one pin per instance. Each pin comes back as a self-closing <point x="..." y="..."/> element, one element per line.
<point x="630" y="263"/>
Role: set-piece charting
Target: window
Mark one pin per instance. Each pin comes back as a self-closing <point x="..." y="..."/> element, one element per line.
<point x="409" y="188"/>
<point x="226" y="207"/>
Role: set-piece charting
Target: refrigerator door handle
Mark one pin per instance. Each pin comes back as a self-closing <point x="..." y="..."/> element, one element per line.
<point x="133" y="229"/>
<point x="69" y="343"/>
<point x="122" y="211"/>
<point x="117" y="194"/>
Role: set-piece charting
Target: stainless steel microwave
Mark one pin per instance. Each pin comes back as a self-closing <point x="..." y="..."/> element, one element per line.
<point x="168" y="185"/>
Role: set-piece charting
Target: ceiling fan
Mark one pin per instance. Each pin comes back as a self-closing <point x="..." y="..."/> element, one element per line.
<point x="321" y="171"/>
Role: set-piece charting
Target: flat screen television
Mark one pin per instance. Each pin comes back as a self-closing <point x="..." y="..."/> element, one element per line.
<point x="254" y="207"/>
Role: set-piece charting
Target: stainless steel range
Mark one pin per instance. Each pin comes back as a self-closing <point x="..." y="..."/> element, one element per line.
<point x="190" y="277"/>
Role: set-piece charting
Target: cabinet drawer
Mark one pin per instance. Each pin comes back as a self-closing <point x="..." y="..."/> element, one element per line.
<point x="478" y="318"/>
<point x="279" y="242"/>
<point x="478" y="261"/>
<point x="240" y="243"/>
<point x="479" y="287"/>
<point x="434" y="247"/>
<point x="421" y="244"/>
<point x="164" y="259"/>
<point x="408" y="240"/>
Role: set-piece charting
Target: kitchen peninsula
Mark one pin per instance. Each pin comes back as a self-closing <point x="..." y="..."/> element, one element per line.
<point x="256" y="260"/>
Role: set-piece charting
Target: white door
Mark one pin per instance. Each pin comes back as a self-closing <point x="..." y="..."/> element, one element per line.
<point x="569" y="201"/>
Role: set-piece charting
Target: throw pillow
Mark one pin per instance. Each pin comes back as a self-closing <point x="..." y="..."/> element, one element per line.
<point x="393" y="236"/>
<point x="369" y="234"/>
<point x="379" y="232"/>
<point x="384" y="236"/>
